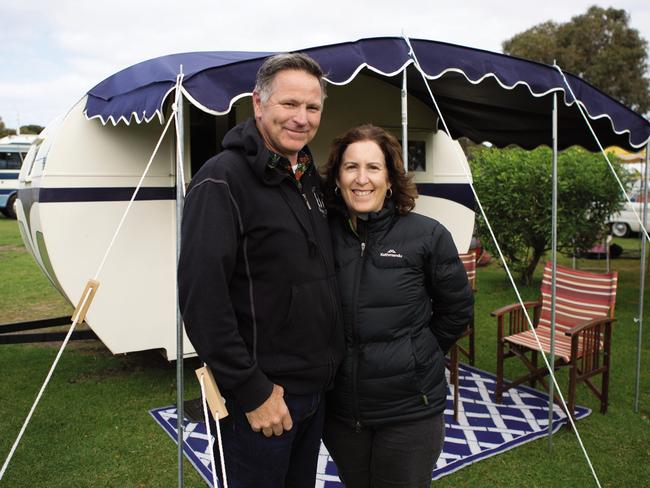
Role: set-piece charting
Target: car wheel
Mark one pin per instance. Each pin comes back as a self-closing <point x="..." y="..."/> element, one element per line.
<point x="10" y="209"/>
<point x="620" y="229"/>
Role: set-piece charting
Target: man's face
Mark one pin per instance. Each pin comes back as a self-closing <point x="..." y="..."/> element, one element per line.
<point x="290" y="117"/>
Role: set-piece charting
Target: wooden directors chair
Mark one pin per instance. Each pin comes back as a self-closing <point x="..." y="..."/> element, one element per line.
<point x="583" y="331"/>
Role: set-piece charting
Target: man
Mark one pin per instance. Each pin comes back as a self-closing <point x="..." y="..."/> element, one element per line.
<point x="256" y="280"/>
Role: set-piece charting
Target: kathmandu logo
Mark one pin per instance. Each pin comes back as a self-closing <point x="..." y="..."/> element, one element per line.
<point x="391" y="253"/>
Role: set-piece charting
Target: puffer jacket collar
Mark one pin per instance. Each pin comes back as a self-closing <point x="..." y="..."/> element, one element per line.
<point x="372" y="223"/>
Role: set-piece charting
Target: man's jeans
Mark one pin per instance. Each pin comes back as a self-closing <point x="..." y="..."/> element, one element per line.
<point x="290" y="460"/>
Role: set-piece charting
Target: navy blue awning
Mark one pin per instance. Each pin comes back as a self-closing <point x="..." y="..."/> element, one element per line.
<point x="483" y="95"/>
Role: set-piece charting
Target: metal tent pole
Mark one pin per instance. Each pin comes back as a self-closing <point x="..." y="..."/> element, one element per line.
<point x="551" y="393"/>
<point x="180" y="185"/>
<point x="644" y="219"/>
<point x="405" y="122"/>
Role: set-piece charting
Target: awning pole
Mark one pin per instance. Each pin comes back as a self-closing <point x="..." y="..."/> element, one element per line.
<point x="405" y="122"/>
<point x="551" y="393"/>
<point x="180" y="187"/>
<point x="644" y="187"/>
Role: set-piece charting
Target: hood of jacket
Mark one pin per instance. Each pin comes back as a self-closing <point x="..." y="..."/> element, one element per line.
<point x="246" y="138"/>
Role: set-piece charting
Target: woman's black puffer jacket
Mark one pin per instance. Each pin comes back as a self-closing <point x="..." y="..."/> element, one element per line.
<point x="406" y="300"/>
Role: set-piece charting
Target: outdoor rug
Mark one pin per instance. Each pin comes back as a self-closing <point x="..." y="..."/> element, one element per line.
<point x="484" y="428"/>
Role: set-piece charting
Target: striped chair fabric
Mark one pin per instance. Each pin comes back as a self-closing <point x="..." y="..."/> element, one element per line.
<point x="469" y="262"/>
<point x="580" y="297"/>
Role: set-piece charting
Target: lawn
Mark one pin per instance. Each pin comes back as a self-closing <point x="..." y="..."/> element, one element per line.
<point x="92" y="427"/>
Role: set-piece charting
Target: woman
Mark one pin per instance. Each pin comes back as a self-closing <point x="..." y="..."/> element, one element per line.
<point x="406" y="300"/>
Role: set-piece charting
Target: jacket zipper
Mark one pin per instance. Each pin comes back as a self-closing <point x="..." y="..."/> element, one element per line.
<point x="308" y="206"/>
<point x="332" y="296"/>
<point x="355" y="334"/>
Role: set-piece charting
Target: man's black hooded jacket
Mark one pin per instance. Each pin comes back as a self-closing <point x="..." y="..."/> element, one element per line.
<point x="256" y="274"/>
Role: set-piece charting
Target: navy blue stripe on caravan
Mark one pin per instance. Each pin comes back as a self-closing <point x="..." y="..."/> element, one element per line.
<point x="115" y="194"/>
<point x="7" y="191"/>
<point x="460" y="193"/>
<point x="9" y="176"/>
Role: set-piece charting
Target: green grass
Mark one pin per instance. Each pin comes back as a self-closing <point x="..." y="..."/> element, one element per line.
<point x="92" y="428"/>
<point x="617" y="442"/>
<point x="25" y="292"/>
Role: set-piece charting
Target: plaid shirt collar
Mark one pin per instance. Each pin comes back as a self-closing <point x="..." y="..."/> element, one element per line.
<point x="304" y="161"/>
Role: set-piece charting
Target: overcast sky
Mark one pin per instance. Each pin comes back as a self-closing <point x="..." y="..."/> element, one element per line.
<point x="53" y="51"/>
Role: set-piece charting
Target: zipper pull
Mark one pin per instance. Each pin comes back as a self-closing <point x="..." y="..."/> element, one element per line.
<point x="357" y="427"/>
<point x="363" y="248"/>
<point x="306" y="201"/>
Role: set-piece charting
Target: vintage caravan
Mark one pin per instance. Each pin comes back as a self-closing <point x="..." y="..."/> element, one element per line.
<point x="82" y="173"/>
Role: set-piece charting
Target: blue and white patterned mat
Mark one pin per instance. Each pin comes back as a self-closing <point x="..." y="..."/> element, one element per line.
<point x="484" y="428"/>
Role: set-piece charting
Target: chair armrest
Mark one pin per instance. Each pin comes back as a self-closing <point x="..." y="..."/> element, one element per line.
<point x="513" y="306"/>
<point x="588" y="325"/>
<point x="516" y="318"/>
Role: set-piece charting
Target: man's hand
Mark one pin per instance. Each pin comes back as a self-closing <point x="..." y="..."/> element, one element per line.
<point x="272" y="416"/>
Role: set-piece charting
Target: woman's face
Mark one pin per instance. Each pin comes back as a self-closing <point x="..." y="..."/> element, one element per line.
<point x="363" y="177"/>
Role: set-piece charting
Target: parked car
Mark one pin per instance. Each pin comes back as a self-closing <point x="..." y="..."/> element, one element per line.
<point x="13" y="150"/>
<point x="625" y="222"/>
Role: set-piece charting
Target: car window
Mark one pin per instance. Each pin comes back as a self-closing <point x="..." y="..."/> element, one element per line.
<point x="637" y="196"/>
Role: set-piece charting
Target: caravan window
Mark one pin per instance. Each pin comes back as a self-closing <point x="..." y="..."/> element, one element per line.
<point x="11" y="160"/>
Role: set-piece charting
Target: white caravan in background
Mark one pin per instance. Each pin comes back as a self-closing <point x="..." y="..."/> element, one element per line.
<point x="13" y="151"/>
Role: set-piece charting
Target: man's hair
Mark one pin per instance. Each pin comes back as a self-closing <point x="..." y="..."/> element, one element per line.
<point x="280" y="62"/>
<point x="403" y="188"/>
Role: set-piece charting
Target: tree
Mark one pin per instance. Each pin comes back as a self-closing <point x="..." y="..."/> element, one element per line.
<point x="31" y="129"/>
<point x="514" y="187"/>
<point x="4" y="131"/>
<point x="598" y="46"/>
<point x="24" y="129"/>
